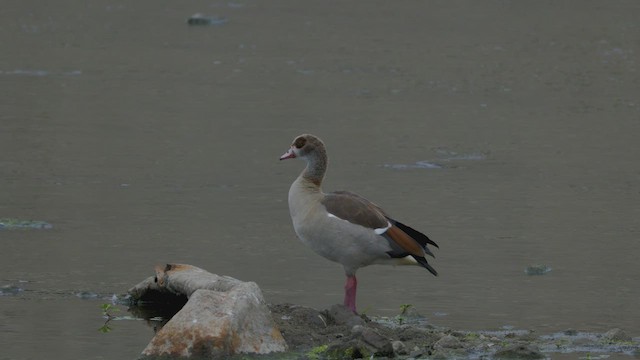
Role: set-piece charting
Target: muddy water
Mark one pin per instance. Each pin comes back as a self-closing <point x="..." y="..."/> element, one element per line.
<point x="143" y="140"/>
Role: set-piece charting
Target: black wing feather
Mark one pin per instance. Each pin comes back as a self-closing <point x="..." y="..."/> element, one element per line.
<point x="421" y="238"/>
<point x="422" y="261"/>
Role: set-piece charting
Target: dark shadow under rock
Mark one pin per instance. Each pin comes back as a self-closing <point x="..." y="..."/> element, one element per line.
<point x="520" y="351"/>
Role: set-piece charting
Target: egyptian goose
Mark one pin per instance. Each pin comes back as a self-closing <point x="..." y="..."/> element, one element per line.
<point x="345" y="227"/>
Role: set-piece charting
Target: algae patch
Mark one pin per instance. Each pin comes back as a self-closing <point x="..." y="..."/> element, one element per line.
<point x="11" y="224"/>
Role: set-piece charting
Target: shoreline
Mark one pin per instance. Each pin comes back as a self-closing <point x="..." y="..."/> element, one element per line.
<point x="336" y="333"/>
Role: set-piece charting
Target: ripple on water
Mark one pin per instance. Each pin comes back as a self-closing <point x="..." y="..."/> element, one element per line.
<point x="39" y="72"/>
<point x="444" y="160"/>
<point x="415" y="165"/>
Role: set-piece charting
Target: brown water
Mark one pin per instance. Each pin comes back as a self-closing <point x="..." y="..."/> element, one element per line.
<point x="143" y="140"/>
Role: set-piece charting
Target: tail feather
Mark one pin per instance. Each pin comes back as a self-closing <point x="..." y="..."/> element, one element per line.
<point x="422" y="261"/>
<point x="421" y="238"/>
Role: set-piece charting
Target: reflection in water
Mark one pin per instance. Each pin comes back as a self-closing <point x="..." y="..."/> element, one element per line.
<point x="157" y="312"/>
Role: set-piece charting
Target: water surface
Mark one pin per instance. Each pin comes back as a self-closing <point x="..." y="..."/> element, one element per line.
<point x="143" y="140"/>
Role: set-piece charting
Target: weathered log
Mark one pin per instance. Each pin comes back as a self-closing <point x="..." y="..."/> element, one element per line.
<point x="223" y="316"/>
<point x="182" y="279"/>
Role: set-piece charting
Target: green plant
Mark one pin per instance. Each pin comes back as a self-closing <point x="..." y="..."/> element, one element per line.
<point x="403" y="311"/>
<point x="471" y="336"/>
<point x="365" y="311"/>
<point x="404" y="308"/>
<point x="107" y="312"/>
<point x="317" y="352"/>
<point x="560" y="343"/>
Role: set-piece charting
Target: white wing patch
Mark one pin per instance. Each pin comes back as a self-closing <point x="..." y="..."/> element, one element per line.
<point x="378" y="231"/>
<point x="381" y="231"/>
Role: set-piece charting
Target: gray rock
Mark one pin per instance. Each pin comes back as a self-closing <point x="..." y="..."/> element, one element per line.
<point x="448" y="347"/>
<point x="378" y="344"/>
<point x="341" y="315"/>
<point x="406" y="333"/>
<point x="617" y="335"/>
<point x="520" y="352"/>
<point x="417" y="352"/>
<point x="447" y="342"/>
<point x="399" y="348"/>
<point x="364" y="343"/>
<point x="357" y="329"/>
<point x="312" y="318"/>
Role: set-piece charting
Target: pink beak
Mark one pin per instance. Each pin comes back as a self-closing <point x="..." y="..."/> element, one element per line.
<point x="288" y="155"/>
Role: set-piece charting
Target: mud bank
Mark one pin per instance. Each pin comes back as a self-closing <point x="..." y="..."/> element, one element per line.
<point x="336" y="333"/>
<point x="220" y="316"/>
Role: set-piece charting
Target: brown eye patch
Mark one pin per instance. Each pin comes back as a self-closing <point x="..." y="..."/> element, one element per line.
<point x="299" y="142"/>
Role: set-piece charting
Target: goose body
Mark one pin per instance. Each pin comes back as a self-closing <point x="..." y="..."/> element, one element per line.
<point x="345" y="227"/>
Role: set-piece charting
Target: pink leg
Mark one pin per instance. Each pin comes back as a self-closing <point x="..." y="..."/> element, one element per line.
<point x="350" y="293"/>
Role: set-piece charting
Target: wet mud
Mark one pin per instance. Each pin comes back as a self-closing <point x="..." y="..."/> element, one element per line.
<point x="336" y="333"/>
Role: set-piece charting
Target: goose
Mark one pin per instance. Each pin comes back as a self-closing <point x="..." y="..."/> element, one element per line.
<point x="345" y="227"/>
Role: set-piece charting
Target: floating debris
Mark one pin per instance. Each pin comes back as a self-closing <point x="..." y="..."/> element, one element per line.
<point x="10" y="224"/>
<point x="86" y="295"/>
<point x="201" y="19"/>
<point x="537" y="269"/>
<point x="8" y="290"/>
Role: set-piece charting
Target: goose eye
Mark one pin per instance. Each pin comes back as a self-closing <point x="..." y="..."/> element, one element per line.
<point x="300" y="142"/>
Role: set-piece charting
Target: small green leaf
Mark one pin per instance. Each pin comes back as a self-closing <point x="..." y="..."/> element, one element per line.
<point x="404" y="308"/>
<point x="104" y="329"/>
